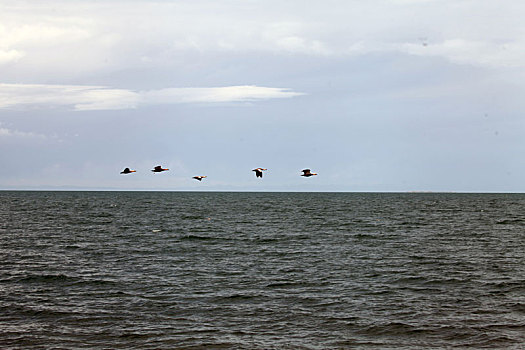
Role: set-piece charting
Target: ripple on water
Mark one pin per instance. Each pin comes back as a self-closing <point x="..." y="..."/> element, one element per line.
<point x="261" y="271"/>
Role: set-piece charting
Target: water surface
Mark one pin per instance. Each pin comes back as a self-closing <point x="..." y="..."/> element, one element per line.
<point x="179" y="270"/>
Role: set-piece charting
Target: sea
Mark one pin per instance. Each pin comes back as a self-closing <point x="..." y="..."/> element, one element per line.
<point x="218" y="270"/>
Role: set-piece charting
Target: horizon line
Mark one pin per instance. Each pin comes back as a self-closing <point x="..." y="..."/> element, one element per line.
<point x="262" y="191"/>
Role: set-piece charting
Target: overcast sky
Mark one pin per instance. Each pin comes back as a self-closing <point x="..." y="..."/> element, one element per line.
<point x="377" y="95"/>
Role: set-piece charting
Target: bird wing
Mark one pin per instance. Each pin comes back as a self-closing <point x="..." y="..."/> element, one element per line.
<point x="306" y="171"/>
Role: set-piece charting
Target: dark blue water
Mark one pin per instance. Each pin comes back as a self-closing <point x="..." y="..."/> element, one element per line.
<point x="123" y="270"/>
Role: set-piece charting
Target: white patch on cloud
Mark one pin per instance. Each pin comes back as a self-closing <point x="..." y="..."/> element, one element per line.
<point x="80" y="97"/>
<point x="297" y="44"/>
<point x="101" y="98"/>
<point x="291" y="37"/>
<point x="7" y="56"/>
<point x="84" y="98"/>
<point x="5" y="132"/>
<point x="217" y="94"/>
<point x="43" y="33"/>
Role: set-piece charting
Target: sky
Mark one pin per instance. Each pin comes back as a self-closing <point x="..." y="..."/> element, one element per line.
<point x="378" y="95"/>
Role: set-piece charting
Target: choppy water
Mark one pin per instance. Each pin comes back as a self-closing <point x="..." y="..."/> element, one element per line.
<point x="120" y="270"/>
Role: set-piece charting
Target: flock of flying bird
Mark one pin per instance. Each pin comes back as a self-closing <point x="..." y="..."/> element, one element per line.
<point x="258" y="172"/>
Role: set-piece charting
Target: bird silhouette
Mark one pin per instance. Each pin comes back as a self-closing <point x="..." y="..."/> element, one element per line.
<point x="307" y="173"/>
<point x="159" y="169"/>
<point x="259" y="172"/>
<point x="127" y="171"/>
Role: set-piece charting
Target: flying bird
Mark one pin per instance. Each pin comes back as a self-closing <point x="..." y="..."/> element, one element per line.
<point x="307" y="173"/>
<point x="127" y="171"/>
<point x="159" y="169"/>
<point x="200" y="177"/>
<point x="259" y="172"/>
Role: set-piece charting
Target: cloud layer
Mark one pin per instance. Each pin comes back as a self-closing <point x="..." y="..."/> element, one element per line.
<point x="71" y="38"/>
<point x="82" y="98"/>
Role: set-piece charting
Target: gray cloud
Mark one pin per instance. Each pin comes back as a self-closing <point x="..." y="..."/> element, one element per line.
<point x="71" y="38"/>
